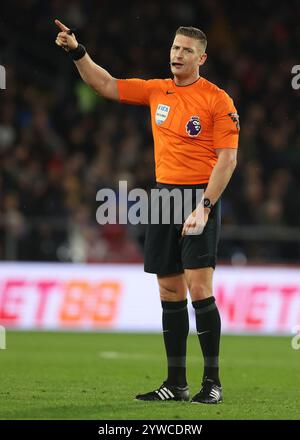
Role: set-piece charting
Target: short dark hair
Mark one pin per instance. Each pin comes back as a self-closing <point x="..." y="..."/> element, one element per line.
<point x="193" y="32"/>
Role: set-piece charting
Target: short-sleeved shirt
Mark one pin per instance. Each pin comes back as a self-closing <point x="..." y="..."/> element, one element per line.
<point x="188" y="124"/>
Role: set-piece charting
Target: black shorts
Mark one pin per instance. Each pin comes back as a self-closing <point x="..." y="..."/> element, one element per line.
<point x="166" y="252"/>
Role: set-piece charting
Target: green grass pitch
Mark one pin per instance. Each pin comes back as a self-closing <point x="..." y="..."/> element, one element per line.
<point x="51" y="375"/>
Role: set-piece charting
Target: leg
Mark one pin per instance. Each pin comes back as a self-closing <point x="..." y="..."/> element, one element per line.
<point x="208" y="326"/>
<point x="172" y="287"/>
<point x="175" y="323"/>
<point x="173" y="293"/>
<point x="163" y="257"/>
<point x="199" y="282"/>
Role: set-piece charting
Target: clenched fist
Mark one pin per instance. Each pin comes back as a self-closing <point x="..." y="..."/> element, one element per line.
<point x="65" y="38"/>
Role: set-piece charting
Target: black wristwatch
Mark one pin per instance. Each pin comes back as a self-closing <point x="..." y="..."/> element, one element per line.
<point x="207" y="203"/>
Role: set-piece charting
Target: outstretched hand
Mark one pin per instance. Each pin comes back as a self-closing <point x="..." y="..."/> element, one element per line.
<point x="65" y="38"/>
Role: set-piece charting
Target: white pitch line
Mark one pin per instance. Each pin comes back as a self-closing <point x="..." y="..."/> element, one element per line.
<point x="117" y="355"/>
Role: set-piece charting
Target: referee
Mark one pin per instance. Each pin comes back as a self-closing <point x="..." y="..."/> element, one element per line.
<point x="195" y="128"/>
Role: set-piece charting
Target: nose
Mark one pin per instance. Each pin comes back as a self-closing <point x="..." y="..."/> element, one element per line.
<point x="179" y="53"/>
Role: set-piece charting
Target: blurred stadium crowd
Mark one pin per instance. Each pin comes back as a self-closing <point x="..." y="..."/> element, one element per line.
<point x="60" y="142"/>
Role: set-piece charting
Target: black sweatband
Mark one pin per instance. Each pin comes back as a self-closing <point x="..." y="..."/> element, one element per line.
<point x="77" y="53"/>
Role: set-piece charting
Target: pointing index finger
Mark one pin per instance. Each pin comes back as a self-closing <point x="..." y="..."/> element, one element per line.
<point x="61" y="25"/>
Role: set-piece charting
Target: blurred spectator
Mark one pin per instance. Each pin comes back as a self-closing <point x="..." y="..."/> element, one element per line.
<point x="60" y="142"/>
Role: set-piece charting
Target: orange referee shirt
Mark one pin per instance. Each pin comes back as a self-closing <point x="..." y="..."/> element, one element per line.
<point x="188" y="124"/>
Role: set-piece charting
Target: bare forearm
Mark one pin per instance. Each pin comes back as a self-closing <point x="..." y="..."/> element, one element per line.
<point x="95" y="76"/>
<point x="219" y="179"/>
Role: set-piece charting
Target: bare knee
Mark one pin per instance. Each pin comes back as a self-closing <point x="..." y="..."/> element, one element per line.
<point x="199" y="291"/>
<point x="172" y="288"/>
<point x="199" y="282"/>
<point x="171" y="294"/>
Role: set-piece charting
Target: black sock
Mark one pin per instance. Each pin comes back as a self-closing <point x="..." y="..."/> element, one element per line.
<point x="208" y="324"/>
<point x="175" y="322"/>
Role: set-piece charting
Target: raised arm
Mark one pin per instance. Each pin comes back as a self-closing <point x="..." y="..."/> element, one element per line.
<point x="92" y="74"/>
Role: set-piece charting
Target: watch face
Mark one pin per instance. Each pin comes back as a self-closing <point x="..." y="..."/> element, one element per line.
<point x="206" y="203"/>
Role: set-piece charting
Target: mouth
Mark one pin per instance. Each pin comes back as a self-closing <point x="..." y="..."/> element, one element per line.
<point x="174" y="64"/>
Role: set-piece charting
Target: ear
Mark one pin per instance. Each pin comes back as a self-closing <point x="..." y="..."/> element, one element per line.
<point x="202" y="59"/>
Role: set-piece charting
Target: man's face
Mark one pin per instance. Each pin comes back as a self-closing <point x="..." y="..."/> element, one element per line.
<point x="186" y="56"/>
